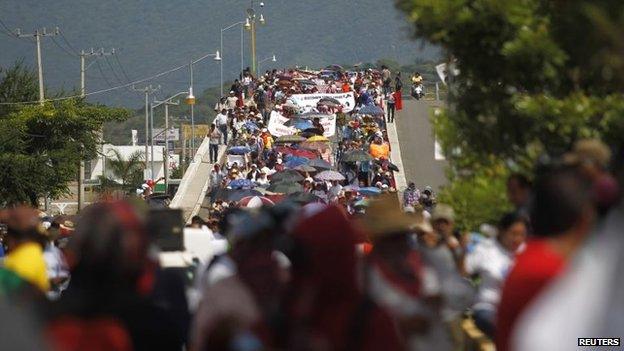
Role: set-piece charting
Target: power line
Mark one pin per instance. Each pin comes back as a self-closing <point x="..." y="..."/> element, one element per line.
<point x="97" y="63"/>
<point x="113" y="70"/>
<point x="62" y="48"/>
<point x="123" y="71"/>
<point x="68" y="44"/>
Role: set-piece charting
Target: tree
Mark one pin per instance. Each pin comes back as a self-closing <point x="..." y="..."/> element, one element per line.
<point x="128" y="171"/>
<point x="41" y="145"/>
<point x="17" y="83"/>
<point x="534" y="75"/>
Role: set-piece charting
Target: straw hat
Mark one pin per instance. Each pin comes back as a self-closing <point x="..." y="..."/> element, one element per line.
<point x="384" y="217"/>
<point x="589" y="150"/>
<point x="443" y="211"/>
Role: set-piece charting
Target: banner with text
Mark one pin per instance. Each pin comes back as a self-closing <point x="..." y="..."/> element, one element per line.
<point x="309" y="101"/>
<point x="277" y="126"/>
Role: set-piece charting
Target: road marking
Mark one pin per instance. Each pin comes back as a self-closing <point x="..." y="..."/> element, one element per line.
<point x="438" y="155"/>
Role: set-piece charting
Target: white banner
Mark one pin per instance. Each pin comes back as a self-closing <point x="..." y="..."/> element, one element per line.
<point x="277" y="126"/>
<point x="309" y="101"/>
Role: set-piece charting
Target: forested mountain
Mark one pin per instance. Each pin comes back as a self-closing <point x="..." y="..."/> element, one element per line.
<point x="154" y="35"/>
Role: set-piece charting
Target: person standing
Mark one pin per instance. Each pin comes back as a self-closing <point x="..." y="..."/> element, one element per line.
<point x="398" y="87"/>
<point x="562" y="215"/>
<point x="491" y="260"/>
<point x="391" y="105"/>
<point x="221" y="121"/>
<point x="214" y="137"/>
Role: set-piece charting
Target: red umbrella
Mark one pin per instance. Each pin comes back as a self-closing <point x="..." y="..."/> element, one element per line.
<point x="296" y="152"/>
<point x="255" y="202"/>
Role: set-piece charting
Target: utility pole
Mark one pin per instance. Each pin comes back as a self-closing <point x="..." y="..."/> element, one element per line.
<point x="147" y="91"/>
<point x="83" y="69"/>
<point x="166" y="153"/>
<point x="38" y="34"/>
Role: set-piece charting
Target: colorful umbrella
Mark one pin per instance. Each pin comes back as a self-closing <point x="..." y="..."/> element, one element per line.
<point x="320" y="164"/>
<point x="232" y="194"/>
<point x="318" y="138"/>
<point x="351" y="188"/>
<point x="288" y="139"/>
<point x="305" y="169"/>
<point x="295" y="161"/>
<point x="315" y="145"/>
<point x="285" y="187"/>
<point x="238" y="150"/>
<point x="241" y="184"/>
<point x="288" y="175"/>
<point x="356" y="156"/>
<point x="304" y="198"/>
<point x="370" y="191"/>
<point x="255" y="202"/>
<point x="329" y="176"/>
<point x="304" y="124"/>
<point x="313" y="131"/>
<point x="371" y="110"/>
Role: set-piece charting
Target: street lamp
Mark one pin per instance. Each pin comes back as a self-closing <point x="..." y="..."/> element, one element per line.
<point x="190" y="99"/>
<point x="272" y="58"/>
<point x="243" y="25"/>
<point x="167" y="102"/>
<point x="250" y="24"/>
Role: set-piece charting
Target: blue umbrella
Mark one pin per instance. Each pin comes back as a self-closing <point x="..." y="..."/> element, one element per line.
<point x="238" y="150"/>
<point x="370" y="191"/>
<point x="371" y="110"/>
<point x="241" y="184"/>
<point x="304" y="124"/>
<point x="295" y="161"/>
<point x="251" y="126"/>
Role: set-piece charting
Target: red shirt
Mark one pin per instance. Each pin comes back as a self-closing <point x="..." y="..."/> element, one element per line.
<point x="534" y="268"/>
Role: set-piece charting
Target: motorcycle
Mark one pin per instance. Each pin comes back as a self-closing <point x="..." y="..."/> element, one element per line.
<point x="418" y="91"/>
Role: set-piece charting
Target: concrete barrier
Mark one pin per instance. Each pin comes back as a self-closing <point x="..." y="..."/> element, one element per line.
<point x="195" y="181"/>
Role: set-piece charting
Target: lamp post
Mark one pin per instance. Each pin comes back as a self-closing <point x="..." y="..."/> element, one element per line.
<point x="242" y="50"/>
<point x="272" y="58"/>
<point x="190" y="99"/>
<point x="153" y="105"/>
<point x="250" y="24"/>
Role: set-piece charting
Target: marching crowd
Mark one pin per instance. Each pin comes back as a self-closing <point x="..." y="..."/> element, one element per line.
<point x="322" y="251"/>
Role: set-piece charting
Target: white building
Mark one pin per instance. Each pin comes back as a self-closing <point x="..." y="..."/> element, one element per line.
<point x="97" y="167"/>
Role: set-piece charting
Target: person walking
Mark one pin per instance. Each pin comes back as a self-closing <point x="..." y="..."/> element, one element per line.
<point x="398" y="86"/>
<point x="221" y="121"/>
<point x="214" y="138"/>
<point x="391" y="105"/>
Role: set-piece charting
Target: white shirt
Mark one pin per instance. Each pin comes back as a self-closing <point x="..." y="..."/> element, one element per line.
<point x="220" y="120"/>
<point x="231" y="102"/>
<point x="491" y="261"/>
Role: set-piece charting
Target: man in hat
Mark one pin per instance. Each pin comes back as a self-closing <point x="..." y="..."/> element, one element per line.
<point x="442" y="251"/>
<point x="393" y="273"/>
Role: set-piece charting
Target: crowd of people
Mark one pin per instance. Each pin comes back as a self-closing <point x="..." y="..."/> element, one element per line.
<point x="323" y="252"/>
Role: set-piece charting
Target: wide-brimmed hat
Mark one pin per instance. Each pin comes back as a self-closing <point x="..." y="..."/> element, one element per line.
<point x="443" y="211"/>
<point x="384" y="217"/>
<point x="589" y="150"/>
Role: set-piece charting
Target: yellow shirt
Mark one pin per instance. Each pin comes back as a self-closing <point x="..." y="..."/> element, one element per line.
<point x="27" y="261"/>
<point x="379" y="150"/>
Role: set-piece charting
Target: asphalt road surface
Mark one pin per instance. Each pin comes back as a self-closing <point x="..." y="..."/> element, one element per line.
<point x="418" y="144"/>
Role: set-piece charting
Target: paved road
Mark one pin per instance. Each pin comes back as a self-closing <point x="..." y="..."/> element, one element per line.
<point x="418" y="146"/>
